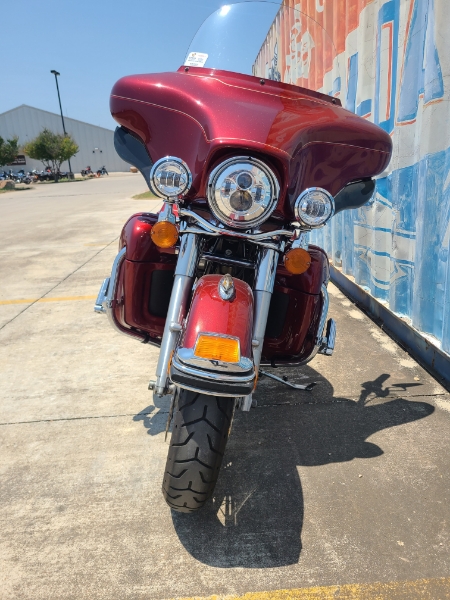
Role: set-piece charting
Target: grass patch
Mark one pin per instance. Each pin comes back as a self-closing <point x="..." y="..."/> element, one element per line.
<point x="15" y="190"/>
<point x="65" y="180"/>
<point x="146" y="196"/>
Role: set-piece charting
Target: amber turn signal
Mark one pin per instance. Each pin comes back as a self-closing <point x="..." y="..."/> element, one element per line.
<point x="164" y="234"/>
<point x="297" y="261"/>
<point x="214" y="347"/>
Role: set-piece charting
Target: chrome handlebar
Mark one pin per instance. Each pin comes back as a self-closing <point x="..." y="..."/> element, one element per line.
<point x="209" y="229"/>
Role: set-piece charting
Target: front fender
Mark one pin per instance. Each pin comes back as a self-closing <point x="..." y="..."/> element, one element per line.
<point x="209" y="313"/>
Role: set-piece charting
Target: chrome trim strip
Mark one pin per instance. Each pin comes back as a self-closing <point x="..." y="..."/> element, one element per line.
<point x="207" y="375"/>
<point x="187" y="356"/>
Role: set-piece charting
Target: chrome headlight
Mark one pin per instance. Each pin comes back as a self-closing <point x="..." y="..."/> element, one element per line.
<point x="170" y="177"/>
<point x="314" y="207"/>
<point x="242" y="192"/>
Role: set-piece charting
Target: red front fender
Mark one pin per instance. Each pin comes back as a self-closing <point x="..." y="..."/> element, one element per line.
<point x="209" y="313"/>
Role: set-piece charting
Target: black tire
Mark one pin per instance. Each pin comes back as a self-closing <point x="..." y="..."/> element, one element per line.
<point x="200" y="431"/>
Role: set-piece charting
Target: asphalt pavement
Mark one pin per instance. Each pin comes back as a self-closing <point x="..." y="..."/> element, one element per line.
<point x="342" y="492"/>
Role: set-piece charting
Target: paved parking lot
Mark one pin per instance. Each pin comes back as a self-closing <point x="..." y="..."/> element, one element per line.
<point x="339" y="493"/>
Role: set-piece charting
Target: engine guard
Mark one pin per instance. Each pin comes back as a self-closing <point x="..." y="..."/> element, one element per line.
<point x="225" y="314"/>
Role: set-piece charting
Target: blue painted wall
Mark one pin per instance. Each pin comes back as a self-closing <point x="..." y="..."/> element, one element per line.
<point x="395" y="71"/>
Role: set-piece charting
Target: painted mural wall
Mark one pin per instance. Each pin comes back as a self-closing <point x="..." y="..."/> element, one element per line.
<point x="391" y="66"/>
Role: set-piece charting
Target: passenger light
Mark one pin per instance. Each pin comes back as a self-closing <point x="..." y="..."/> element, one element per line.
<point x="164" y="234"/>
<point x="215" y="347"/>
<point x="297" y="261"/>
<point x="170" y="177"/>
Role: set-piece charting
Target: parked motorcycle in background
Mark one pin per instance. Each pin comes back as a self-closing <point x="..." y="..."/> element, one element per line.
<point x="87" y="172"/>
<point x="248" y="158"/>
<point x="102" y="171"/>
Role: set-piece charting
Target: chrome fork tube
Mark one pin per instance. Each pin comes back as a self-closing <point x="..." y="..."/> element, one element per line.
<point x="262" y="291"/>
<point x="182" y="285"/>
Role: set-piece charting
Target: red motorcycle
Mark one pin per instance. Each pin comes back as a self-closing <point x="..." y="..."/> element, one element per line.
<point x="223" y="279"/>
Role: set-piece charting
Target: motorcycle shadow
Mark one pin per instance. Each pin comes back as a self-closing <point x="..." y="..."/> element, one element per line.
<point x="255" y="517"/>
<point x="154" y="416"/>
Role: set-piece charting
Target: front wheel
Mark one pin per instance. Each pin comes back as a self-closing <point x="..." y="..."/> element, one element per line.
<point x="201" y="427"/>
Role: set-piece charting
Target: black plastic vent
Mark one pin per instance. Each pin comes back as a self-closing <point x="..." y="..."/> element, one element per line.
<point x="160" y="292"/>
<point x="277" y="314"/>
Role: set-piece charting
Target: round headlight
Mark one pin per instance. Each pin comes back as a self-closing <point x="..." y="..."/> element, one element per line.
<point x="170" y="177"/>
<point x="314" y="207"/>
<point x="242" y="192"/>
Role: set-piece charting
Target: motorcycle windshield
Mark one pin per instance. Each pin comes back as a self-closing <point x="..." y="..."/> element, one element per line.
<point x="268" y="40"/>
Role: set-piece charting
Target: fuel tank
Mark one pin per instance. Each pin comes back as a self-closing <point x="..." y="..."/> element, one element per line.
<point x="203" y="116"/>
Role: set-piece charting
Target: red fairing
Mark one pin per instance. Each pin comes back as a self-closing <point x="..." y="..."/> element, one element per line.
<point x="210" y="313"/>
<point x="295" y="311"/>
<point x="136" y="237"/>
<point x="146" y="274"/>
<point x="202" y="115"/>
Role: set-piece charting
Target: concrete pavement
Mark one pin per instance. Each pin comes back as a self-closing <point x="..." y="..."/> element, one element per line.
<point x="346" y="485"/>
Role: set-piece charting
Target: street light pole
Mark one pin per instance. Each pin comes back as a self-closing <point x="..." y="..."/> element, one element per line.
<point x="55" y="73"/>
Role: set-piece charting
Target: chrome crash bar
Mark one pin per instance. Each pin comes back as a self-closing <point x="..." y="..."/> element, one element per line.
<point x="106" y="302"/>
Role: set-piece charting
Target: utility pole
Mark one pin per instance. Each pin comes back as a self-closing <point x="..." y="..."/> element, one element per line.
<point x="55" y="73"/>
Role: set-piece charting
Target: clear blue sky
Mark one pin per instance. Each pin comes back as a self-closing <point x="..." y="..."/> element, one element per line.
<point x="92" y="44"/>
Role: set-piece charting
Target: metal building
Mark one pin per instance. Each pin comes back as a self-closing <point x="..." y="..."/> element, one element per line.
<point x="96" y="144"/>
<point x="391" y="65"/>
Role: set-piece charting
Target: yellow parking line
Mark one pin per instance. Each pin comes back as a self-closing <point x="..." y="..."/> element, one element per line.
<point x="60" y="299"/>
<point x="429" y="589"/>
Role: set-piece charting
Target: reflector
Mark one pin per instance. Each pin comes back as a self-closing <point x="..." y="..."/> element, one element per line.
<point x="164" y="234"/>
<point x="297" y="261"/>
<point x="215" y="347"/>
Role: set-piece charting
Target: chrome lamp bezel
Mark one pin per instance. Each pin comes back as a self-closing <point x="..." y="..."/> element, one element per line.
<point x="299" y="200"/>
<point x="157" y="165"/>
<point x="215" y="204"/>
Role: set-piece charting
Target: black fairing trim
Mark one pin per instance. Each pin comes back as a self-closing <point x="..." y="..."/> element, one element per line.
<point x="133" y="151"/>
<point x="354" y="195"/>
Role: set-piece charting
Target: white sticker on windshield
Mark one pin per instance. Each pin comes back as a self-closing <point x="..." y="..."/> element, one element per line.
<point x="196" y="59"/>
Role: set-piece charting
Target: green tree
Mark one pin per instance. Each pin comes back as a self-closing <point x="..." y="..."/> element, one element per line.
<point x="8" y="150"/>
<point x="52" y="149"/>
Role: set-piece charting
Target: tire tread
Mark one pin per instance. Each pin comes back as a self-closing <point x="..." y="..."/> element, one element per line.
<point x="197" y="446"/>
